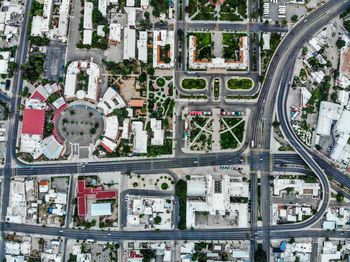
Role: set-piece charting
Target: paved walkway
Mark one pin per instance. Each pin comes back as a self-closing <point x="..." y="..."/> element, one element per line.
<point x="217" y="39"/>
<point x="216" y="130"/>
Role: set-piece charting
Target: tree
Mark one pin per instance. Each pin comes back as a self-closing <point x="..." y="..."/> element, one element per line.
<point x="34" y="67"/>
<point x="98" y="18"/>
<point x="25" y="91"/>
<point x="334" y="96"/>
<point x="294" y="18"/>
<point x="148" y="254"/>
<point x="142" y="77"/>
<point x="275" y="124"/>
<point x="346" y="24"/>
<point x="121" y="113"/>
<point x="340" y="43"/>
<point x="157" y="220"/>
<point x="260" y="255"/>
<point x="37" y="9"/>
<point x="12" y="66"/>
<point x="340" y="197"/>
<point x="181" y="193"/>
<point x="164" y="186"/>
<point x="39" y="41"/>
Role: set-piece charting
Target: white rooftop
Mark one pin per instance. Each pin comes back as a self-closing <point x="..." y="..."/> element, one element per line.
<point x="129" y="43"/>
<point x="115" y="33"/>
<point x="327" y="114"/>
<point x="112" y="126"/>
<point x="88" y="7"/>
<point x="101" y="209"/>
<point x="142" y="46"/>
<point x="140" y="137"/>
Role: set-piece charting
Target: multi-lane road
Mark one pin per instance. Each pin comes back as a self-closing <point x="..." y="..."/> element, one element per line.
<point x="209" y="234"/>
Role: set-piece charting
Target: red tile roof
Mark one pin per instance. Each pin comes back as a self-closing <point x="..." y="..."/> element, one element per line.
<point x="136" y="103"/>
<point x="43" y="182"/>
<point x="107" y="148"/>
<point x="37" y="95"/>
<point x="33" y="121"/>
<point x="91" y="192"/>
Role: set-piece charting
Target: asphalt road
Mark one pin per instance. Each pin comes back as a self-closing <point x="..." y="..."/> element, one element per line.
<point x="209" y="234"/>
<point x="13" y="120"/>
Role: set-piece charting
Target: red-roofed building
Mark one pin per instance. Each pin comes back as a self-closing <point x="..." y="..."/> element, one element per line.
<point x="136" y="103"/>
<point x="107" y="148"/>
<point x="134" y="254"/>
<point x="38" y="95"/>
<point x="95" y="193"/>
<point x="33" y="122"/>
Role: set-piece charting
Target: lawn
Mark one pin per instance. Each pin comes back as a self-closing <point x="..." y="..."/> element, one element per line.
<point x="203" y="46"/>
<point x="232" y="121"/>
<point x="205" y="10"/>
<point x="240" y="83"/>
<point x="227" y="141"/>
<point x="230" y="10"/>
<point x="216" y="87"/>
<point x="194" y="83"/>
<point x="160" y="102"/>
<point x="231" y="46"/>
<point x="233" y="10"/>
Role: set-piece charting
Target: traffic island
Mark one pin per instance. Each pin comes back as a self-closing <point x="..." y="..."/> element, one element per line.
<point x="240" y="84"/>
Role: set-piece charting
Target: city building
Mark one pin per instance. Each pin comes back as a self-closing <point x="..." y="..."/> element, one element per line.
<point x="218" y="62"/>
<point x="102" y="7"/>
<point x="163" y="49"/>
<point x="149" y="212"/>
<point x="142" y="47"/>
<point x="131" y="12"/>
<point x="111" y="127"/>
<point x="158" y="132"/>
<point x="329" y="112"/>
<point x="33" y="127"/>
<point x="337" y="218"/>
<point x="108" y="145"/>
<point x="110" y="101"/>
<point x="219" y="196"/>
<point x="330" y="252"/>
<point x="74" y="69"/>
<point x="5" y="57"/>
<point x="129" y="43"/>
<point x="114" y="33"/>
<point x="88" y="195"/>
<point x="290" y="213"/>
<point x="297" y="186"/>
<point x="63" y="22"/>
<point x="41" y="24"/>
<point x="140" y="137"/>
<point x="16" y="211"/>
<point x="301" y="250"/>
<point x="215" y="250"/>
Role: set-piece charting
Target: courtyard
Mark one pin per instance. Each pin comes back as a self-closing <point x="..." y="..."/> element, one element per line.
<point x="80" y="124"/>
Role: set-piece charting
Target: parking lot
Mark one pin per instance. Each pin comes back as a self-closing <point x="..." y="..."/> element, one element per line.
<point x="54" y="64"/>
